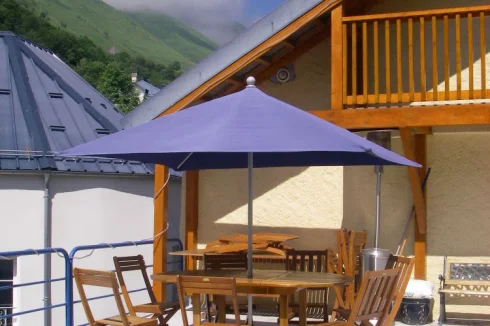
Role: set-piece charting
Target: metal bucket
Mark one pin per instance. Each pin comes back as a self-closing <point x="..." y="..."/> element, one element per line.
<point x="374" y="259"/>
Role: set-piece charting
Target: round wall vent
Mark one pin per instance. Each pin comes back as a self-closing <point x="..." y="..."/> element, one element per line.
<point x="283" y="75"/>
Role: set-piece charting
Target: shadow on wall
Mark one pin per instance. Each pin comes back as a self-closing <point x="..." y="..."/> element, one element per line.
<point x="233" y="183"/>
<point x="130" y="185"/>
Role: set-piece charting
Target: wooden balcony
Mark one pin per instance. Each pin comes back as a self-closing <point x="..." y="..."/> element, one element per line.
<point x="398" y="59"/>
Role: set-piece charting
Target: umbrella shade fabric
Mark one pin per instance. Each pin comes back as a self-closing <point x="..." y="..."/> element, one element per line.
<point x="218" y="135"/>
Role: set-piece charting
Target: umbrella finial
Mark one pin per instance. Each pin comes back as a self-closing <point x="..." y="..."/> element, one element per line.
<point x="250" y="81"/>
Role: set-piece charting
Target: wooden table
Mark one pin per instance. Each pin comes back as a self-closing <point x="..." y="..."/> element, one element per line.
<point x="282" y="283"/>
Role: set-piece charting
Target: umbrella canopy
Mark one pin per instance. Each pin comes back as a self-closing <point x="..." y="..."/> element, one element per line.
<point x="245" y="129"/>
<point x="218" y="135"/>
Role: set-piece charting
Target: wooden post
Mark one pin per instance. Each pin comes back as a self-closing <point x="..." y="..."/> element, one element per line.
<point x="159" y="225"/>
<point x="336" y="57"/>
<point x="420" y="244"/>
<point x="191" y="214"/>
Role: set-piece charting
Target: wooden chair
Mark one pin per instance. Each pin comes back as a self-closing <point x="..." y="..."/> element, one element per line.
<point x="197" y="285"/>
<point x="107" y="280"/>
<point x="163" y="311"/>
<point x="373" y="300"/>
<point x="349" y="245"/>
<point x="405" y="264"/>
<point x="227" y="262"/>
<point x="311" y="261"/>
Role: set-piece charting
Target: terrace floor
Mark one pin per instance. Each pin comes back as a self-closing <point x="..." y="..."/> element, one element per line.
<point x="258" y="320"/>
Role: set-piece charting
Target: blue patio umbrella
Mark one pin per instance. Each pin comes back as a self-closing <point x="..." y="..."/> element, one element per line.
<point x="243" y="130"/>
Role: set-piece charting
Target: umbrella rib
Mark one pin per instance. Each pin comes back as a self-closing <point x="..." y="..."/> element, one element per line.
<point x="185" y="160"/>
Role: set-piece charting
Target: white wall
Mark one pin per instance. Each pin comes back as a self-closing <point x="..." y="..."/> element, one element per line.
<point x="85" y="210"/>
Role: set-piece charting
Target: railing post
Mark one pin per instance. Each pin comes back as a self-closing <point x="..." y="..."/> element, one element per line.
<point x="69" y="290"/>
<point x="336" y="57"/>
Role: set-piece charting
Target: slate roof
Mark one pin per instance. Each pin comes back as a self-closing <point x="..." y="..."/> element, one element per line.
<point x="46" y="107"/>
<point x="143" y="84"/>
<point x="219" y="60"/>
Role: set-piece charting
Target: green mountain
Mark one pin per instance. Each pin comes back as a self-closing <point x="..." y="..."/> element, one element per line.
<point x="116" y="31"/>
<point x="180" y="37"/>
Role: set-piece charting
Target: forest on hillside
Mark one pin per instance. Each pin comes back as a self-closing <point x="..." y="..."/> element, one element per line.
<point x="108" y="73"/>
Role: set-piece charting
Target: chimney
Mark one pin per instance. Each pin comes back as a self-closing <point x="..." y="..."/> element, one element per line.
<point x="134" y="77"/>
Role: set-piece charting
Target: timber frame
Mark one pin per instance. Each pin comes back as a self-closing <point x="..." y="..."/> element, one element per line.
<point x="353" y="105"/>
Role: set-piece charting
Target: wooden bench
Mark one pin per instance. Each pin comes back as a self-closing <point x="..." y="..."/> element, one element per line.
<point x="463" y="278"/>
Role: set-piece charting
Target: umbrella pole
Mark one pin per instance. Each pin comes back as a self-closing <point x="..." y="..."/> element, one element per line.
<point x="378" y="205"/>
<point x="250" y="226"/>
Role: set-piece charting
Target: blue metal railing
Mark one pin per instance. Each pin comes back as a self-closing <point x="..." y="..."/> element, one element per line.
<point x="68" y="279"/>
<point x="32" y="252"/>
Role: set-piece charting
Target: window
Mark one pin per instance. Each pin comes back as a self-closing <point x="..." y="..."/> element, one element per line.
<point x="6" y="295"/>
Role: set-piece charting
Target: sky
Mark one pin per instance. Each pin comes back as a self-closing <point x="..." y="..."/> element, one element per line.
<point x="217" y="19"/>
<point x="256" y="9"/>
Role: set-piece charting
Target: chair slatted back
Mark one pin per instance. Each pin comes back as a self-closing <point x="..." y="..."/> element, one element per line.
<point x="197" y="285"/>
<point x="132" y="263"/>
<point x="315" y="261"/>
<point x="307" y="260"/>
<point x="375" y="295"/>
<point x="100" y="279"/>
<point x="214" y="262"/>
<point x="405" y="264"/>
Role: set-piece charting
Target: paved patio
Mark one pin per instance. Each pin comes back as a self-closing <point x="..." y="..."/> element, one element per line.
<point x="258" y="320"/>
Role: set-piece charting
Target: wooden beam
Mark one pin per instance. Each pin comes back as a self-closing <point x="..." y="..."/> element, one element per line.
<point x="448" y="115"/>
<point x="288" y="44"/>
<point x="251" y="56"/>
<point x="263" y="61"/>
<point x="423" y="131"/>
<point x="336" y="57"/>
<point x="420" y="244"/>
<point x="415" y="180"/>
<point x="160" y="219"/>
<point x="191" y="214"/>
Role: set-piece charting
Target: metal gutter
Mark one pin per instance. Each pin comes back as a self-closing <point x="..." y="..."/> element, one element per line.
<point x="48" y="228"/>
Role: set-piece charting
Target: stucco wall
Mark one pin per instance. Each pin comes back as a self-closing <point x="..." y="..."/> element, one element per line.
<point x="85" y="210"/>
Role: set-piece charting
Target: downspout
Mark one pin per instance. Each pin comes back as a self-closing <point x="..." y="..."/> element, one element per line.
<point x="47" y="257"/>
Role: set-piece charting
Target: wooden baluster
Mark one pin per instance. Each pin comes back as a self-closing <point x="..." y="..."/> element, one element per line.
<point x="344" y="62"/>
<point x="364" y="63"/>
<point x="434" y="58"/>
<point x="410" y="60"/>
<point x="446" y="57"/>
<point x="387" y="61"/>
<point x="354" y="64"/>
<point x="470" y="53"/>
<point x="458" y="56"/>
<point x="422" y="59"/>
<point x="482" y="56"/>
<point x="376" y="59"/>
<point x="399" y="58"/>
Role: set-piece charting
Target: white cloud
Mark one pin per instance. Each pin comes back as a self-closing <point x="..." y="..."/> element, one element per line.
<point x="207" y="16"/>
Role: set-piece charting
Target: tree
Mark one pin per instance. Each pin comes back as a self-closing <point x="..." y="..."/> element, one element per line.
<point x="115" y="84"/>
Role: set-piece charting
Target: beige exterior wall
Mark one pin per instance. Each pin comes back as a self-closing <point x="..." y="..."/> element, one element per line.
<point x="315" y="202"/>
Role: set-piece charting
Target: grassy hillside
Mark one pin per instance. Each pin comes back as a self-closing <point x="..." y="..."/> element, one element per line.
<point x="185" y="40"/>
<point x="115" y="31"/>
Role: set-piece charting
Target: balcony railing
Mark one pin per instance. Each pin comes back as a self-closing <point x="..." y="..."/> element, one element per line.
<point x="399" y="58"/>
